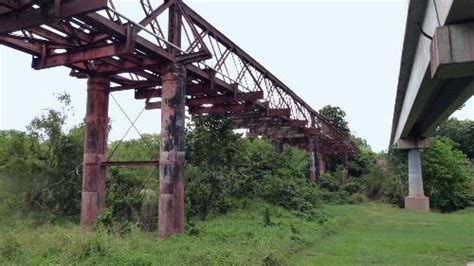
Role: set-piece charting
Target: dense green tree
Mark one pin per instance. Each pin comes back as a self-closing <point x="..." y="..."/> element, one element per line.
<point x="213" y="156"/>
<point x="364" y="159"/>
<point x="16" y="158"/>
<point x="337" y="117"/>
<point x="461" y="132"/>
<point x="445" y="175"/>
<point x="47" y="159"/>
<point x="223" y="167"/>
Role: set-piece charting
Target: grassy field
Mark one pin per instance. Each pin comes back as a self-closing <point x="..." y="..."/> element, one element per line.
<point x="380" y="234"/>
<point x="237" y="238"/>
<point x="343" y="235"/>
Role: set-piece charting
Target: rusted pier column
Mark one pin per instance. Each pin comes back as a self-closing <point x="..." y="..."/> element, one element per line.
<point x="317" y="155"/>
<point x="95" y="149"/>
<point x="313" y="175"/>
<point x="345" y="167"/>
<point x="279" y="145"/>
<point x="322" y="164"/>
<point x="171" y="209"/>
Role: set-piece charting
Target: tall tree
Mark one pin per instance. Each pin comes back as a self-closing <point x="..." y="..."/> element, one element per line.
<point x="461" y="132"/>
<point x="446" y="176"/>
<point x="337" y="117"/>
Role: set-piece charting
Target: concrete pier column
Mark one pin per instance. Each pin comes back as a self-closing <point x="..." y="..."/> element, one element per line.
<point x="95" y="149"/>
<point x="416" y="199"/>
<point x="171" y="207"/>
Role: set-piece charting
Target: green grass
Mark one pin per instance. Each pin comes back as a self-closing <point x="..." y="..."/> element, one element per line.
<point x="354" y="234"/>
<point x="237" y="238"/>
<point x="381" y="234"/>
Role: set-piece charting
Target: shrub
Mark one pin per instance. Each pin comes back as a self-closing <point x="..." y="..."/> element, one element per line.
<point x="358" y="198"/>
<point x="149" y="210"/>
<point x="291" y="193"/>
<point x="445" y="174"/>
<point x="330" y="182"/>
<point x="123" y="196"/>
<point x="353" y="186"/>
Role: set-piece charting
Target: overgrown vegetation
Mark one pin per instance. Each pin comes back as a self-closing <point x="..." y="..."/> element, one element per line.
<point x="40" y="178"/>
<point x="223" y="167"/>
<point x="44" y="162"/>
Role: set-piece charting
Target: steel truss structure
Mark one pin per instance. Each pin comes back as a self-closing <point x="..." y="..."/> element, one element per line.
<point x="173" y="54"/>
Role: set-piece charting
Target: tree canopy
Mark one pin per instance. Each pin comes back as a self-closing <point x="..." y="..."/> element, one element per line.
<point x="461" y="132"/>
<point x="336" y="116"/>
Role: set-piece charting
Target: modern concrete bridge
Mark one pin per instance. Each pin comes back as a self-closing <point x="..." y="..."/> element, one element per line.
<point x="436" y="78"/>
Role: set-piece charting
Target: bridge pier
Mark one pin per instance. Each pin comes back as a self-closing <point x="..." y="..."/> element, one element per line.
<point x="95" y="149"/>
<point x="416" y="199"/>
<point x="314" y="156"/>
<point x="313" y="174"/>
<point x="345" y="168"/>
<point x="322" y="163"/>
<point x="279" y="145"/>
<point x="171" y="206"/>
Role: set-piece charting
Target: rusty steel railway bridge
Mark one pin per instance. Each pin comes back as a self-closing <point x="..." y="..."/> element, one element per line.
<point x="172" y="58"/>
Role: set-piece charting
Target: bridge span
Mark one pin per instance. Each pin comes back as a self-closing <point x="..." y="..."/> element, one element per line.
<point x="175" y="61"/>
<point x="436" y="78"/>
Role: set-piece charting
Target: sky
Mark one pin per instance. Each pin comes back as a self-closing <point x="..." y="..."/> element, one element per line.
<point x="341" y="53"/>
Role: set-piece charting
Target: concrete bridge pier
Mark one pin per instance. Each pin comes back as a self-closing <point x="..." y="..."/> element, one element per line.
<point x="95" y="149"/>
<point x="171" y="206"/>
<point x="416" y="199"/>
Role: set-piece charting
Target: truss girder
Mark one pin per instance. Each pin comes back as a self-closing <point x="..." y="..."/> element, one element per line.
<point x="91" y="37"/>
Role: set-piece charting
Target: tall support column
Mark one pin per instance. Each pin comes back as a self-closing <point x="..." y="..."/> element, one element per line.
<point x="171" y="207"/>
<point x="95" y="149"/>
<point x="345" y="168"/>
<point x="317" y="155"/>
<point x="312" y="168"/>
<point x="322" y="164"/>
<point x="416" y="199"/>
<point x="312" y="165"/>
<point x="279" y="145"/>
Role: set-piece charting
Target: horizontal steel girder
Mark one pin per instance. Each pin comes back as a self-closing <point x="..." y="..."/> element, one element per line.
<point x="45" y="15"/>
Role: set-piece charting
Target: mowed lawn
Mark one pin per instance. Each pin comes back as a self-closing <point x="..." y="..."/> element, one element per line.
<point x="381" y="234"/>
